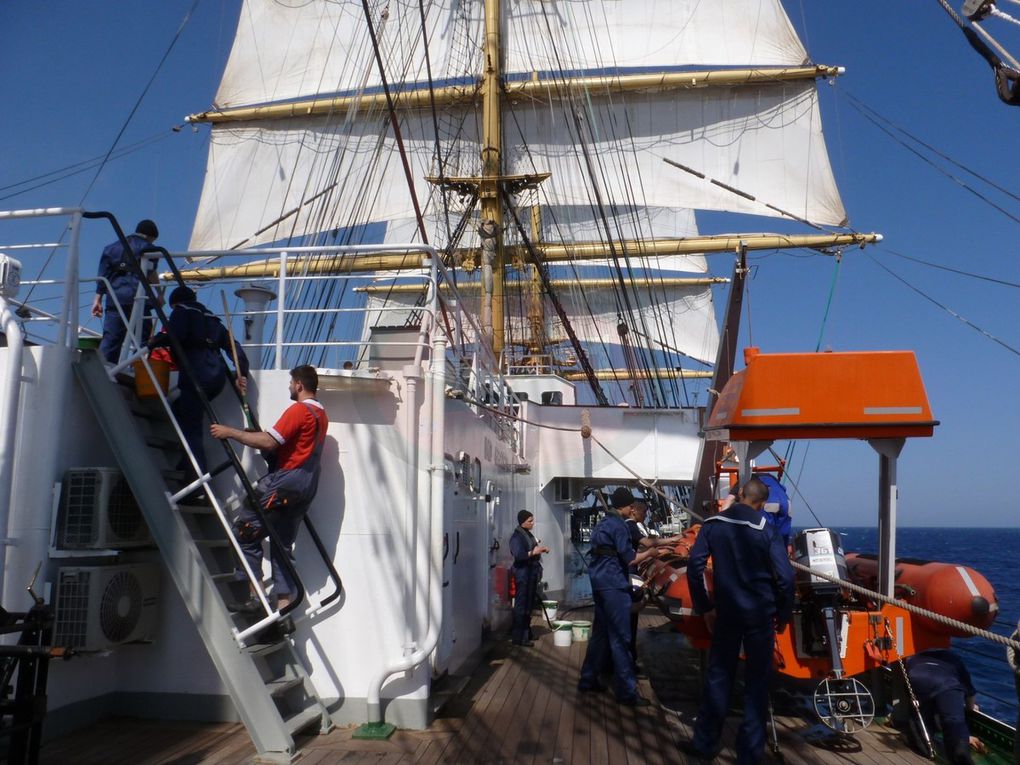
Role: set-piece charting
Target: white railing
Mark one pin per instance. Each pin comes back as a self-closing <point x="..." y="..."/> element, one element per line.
<point x="476" y="370"/>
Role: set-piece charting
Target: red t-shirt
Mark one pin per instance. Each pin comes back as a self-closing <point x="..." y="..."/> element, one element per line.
<point x="295" y="432"/>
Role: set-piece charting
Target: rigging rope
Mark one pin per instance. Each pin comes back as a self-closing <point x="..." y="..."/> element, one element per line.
<point x="991" y="279"/>
<point x="945" y="308"/>
<point x="862" y="107"/>
<point x="395" y="123"/>
<point x="120" y="134"/>
<point x="593" y="381"/>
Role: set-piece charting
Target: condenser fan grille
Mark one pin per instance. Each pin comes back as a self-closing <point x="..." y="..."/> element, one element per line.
<point x="121" y="606"/>
<point x="124" y="516"/>
<point x="79" y="524"/>
<point x="72" y="610"/>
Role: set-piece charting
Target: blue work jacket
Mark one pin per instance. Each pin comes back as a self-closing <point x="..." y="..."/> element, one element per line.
<point x="522" y="543"/>
<point x="752" y="579"/>
<point x="611" y="555"/>
<point x="203" y="336"/>
<point x="118" y="270"/>
<point x="936" y="670"/>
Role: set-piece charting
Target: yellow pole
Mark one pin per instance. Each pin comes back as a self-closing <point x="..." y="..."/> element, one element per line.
<point x="491" y="205"/>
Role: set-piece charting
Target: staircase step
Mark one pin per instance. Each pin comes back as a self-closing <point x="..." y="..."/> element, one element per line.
<point x="196" y="509"/>
<point x="147" y="410"/>
<point x="211" y="543"/>
<point x="280" y="687"/>
<point x="157" y="441"/>
<point x="304" y="719"/>
<point x="264" y="649"/>
<point x="227" y="577"/>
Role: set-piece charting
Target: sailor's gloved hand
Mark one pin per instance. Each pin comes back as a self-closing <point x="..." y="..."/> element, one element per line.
<point x="159" y="340"/>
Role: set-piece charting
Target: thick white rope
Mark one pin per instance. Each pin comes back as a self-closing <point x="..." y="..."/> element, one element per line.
<point x="1010" y="643"/>
<point x="940" y="618"/>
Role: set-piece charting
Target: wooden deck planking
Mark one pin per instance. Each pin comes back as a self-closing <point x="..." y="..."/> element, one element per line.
<point x="521" y="707"/>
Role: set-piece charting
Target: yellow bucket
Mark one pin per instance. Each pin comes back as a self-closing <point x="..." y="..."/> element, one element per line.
<point x="144" y="387"/>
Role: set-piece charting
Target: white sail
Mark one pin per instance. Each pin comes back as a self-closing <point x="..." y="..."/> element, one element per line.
<point x="289" y="50"/>
<point x="305" y="175"/>
<point x="683" y="318"/>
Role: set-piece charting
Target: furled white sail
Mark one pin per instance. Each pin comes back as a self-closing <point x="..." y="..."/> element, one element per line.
<point x="288" y="49"/>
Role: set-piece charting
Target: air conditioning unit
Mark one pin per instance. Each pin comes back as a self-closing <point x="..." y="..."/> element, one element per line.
<point x="98" y="512"/>
<point x="99" y="607"/>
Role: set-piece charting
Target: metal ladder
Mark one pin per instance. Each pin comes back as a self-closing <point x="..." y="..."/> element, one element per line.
<point x="267" y="681"/>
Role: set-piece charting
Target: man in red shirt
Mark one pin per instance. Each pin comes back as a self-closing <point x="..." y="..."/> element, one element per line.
<point x="294" y="449"/>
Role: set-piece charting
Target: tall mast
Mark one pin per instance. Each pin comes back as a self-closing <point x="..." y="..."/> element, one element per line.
<point x="493" y="255"/>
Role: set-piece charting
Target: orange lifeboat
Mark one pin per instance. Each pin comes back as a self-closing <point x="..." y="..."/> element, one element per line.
<point x="952" y="590"/>
<point x="666" y="578"/>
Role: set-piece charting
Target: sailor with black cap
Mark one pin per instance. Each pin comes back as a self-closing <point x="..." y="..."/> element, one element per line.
<point x="203" y="339"/>
<point x="612" y="554"/>
<point x="527" y="571"/>
<point x="118" y="271"/>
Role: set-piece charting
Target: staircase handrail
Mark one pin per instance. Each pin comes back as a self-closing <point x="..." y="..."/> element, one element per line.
<point x="280" y="555"/>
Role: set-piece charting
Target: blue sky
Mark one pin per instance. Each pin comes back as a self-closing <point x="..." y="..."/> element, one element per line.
<point x="77" y="80"/>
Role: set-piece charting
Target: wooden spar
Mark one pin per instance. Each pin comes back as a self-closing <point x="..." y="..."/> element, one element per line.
<point x="468" y="287"/>
<point x="538" y="87"/>
<point x="642" y="374"/>
<point x="579" y="251"/>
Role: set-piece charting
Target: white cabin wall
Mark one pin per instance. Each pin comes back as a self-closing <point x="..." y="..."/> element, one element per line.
<point x="655" y="444"/>
<point x="58" y="431"/>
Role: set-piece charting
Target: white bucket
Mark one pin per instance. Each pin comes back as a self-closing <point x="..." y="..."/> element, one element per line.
<point x="562" y="634"/>
<point x="581" y="631"/>
<point x="550" y="609"/>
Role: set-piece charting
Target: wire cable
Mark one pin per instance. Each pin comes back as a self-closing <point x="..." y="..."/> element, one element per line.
<point x="945" y="308"/>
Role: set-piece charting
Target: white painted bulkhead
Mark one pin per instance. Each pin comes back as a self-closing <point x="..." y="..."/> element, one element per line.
<point x="360" y="512"/>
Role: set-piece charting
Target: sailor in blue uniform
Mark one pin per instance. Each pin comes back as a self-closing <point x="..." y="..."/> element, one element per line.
<point x="118" y="271"/>
<point x="752" y="598"/>
<point x="203" y="338"/>
<point x="527" y="572"/>
<point x="945" y="691"/>
<point x="777" y="507"/>
<point x="612" y="554"/>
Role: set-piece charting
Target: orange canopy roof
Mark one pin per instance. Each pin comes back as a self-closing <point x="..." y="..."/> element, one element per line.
<point x="780" y="396"/>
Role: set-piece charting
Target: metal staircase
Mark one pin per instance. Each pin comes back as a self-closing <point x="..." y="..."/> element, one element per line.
<point x="269" y="685"/>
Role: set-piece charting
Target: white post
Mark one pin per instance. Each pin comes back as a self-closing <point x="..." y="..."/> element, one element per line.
<point x="888" y="450"/>
<point x="69" y="310"/>
<point x="280" y="300"/>
<point x="11" y="395"/>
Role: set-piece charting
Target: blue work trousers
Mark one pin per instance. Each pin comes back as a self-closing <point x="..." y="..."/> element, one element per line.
<point x="758" y="642"/>
<point x="610" y="641"/>
<point x="190" y="416"/>
<point x="114" y="331"/>
<point x="285" y="521"/>
<point x="950" y="707"/>
<point x="526" y="583"/>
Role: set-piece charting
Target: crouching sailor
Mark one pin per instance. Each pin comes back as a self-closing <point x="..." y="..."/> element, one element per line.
<point x="295" y="447"/>
<point x="753" y="597"/>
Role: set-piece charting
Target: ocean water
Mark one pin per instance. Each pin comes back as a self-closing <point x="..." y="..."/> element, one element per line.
<point x="990" y="552"/>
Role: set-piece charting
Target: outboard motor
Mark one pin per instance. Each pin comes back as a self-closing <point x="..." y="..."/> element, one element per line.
<point x="843" y="704"/>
